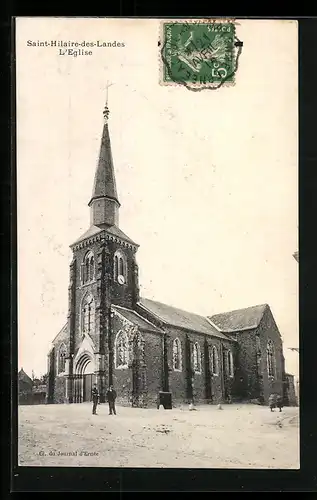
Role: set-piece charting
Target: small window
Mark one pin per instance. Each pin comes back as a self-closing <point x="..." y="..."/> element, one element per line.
<point x="196" y="358"/>
<point x="230" y="363"/>
<point x="214" y="368"/>
<point x="88" y="315"/>
<point x="88" y="268"/>
<point x="177" y="355"/>
<point x="122" y="350"/>
<point x="120" y="266"/>
<point x="61" y="359"/>
<point x="270" y="359"/>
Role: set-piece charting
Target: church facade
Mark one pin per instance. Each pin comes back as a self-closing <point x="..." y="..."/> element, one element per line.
<point x="142" y="347"/>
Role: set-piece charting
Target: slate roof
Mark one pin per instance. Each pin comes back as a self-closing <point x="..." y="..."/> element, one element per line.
<point x="113" y="230"/>
<point x="105" y="182"/>
<point x="180" y="318"/>
<point x="240" y="319"/>
<point x="92" y="231"/>
<point x="137" y="320"/>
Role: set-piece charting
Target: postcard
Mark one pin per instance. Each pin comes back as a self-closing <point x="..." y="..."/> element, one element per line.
<point x="157" y="219"/>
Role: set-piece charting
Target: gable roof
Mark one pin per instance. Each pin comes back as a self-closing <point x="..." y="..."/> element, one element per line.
<point x="24" y="377"/>
<point x="112" y="230"/>
<point x="136" y="319"/>
<point x="180" y="318"/>
<point x="239" y="319"/>
<point x="61" y="332"/>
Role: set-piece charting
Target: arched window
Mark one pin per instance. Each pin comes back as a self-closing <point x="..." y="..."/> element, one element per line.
<point x="88" y="268"/>
<point x="270" y="359"/>
<point x="121" y="350"/>
<point x="91" y="268"/>
<point x="214" y="367"/>
<point x="120" y="265"/>
<point x="230" y="363"/>
<point x="177" y="355"/>
<point x="88" y="315"/>
<point x="196" y="358"/>
<point x="61" y="359"/>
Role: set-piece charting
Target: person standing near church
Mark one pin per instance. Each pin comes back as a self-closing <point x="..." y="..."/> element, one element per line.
<point x="111" y="398"/>
<point x="95" y="399"/>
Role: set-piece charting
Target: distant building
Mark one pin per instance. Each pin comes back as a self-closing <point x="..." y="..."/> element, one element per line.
<point x="30" y="391"/>
<point x="25" y="387"/>
<point x="296" y="349"/>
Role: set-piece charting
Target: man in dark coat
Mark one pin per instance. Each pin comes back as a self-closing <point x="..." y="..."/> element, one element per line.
<point x="95" y="399"/>
<point x="111" y="398"/>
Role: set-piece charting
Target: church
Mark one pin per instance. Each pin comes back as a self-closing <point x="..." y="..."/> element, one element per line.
<point x="145" y="348"/>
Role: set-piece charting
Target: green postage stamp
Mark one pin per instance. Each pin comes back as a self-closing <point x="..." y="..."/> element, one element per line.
<point x="199" y="53"/>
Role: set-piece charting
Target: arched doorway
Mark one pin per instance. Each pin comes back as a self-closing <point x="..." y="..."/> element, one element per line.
<point x="84" y="378"/>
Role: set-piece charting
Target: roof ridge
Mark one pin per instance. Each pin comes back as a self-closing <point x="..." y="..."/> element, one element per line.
<point x="180" y="318"/>
<point x="243" y="319"/>
<point x="240" y="309"/>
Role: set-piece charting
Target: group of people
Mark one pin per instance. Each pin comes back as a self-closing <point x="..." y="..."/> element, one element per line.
<point x="275" y="401"/>
<point x="111" y="398"/>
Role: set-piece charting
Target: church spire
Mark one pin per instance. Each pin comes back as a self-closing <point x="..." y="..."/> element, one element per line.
<point x="104" y="204"/>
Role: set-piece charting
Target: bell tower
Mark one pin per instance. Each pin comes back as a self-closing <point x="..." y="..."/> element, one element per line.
<point x="103" y="272"/>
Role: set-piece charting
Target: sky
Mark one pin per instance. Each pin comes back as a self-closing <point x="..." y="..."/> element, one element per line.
<point x="207" y="180"/>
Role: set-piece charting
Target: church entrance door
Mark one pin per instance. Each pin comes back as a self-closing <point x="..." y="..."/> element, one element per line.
<point x="88" y="382"/>
<point x="84" y="378"/>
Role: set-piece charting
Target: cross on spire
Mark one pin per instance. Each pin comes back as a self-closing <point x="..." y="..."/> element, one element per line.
<point x="107" y="91"/>
<point x="106" y="110"/>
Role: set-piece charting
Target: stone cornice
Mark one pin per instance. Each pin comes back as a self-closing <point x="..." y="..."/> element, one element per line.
<point x="100" y="237"/>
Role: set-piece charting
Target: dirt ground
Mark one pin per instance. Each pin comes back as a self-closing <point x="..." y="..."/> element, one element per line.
<point x="238" y="436"/>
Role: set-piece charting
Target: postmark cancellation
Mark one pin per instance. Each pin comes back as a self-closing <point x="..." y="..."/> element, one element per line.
<point x="199" y="53"/>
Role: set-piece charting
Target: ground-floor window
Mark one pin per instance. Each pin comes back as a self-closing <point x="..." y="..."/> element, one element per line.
<point x="177" y="355"/>
<point x="61" y="363"/>
<point x="230" y="363"/>
<point x="214" y="363"/>
<point x="270" y="358"/>
<point x="121" y="350"/>
<point x="196" y="358"/>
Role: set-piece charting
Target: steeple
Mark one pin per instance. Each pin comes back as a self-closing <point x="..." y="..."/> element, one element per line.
<point x="104" y="204"/>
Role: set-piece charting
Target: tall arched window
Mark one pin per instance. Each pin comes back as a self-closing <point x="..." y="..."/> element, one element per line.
<point x="177" y="355"/>
<point x="88" y="315"/>
<point x="88" y="268"/>
<point x="270" y="359"/>
<point x="230" y="363"/>
<point x="122" y="350"/>
<point x="214" y="368"/>
<point x="61" y="359"/>
<point x="120" y="265"/>
<point x="196" y="358"/>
